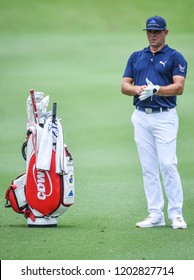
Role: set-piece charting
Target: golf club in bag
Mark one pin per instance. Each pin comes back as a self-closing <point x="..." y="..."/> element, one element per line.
<point x="46" y="190"/>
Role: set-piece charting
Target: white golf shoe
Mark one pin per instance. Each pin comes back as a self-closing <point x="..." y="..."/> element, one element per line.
<point x="151" y="221"/>
<point x="178" y="222"/>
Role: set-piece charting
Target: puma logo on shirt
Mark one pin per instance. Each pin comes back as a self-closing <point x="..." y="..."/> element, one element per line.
<point x="163" y="63"/>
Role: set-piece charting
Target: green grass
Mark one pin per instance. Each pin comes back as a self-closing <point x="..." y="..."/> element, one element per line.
<point x="78" y="59"/>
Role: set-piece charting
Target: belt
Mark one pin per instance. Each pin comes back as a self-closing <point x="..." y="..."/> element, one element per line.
<point x="153" y="110"/>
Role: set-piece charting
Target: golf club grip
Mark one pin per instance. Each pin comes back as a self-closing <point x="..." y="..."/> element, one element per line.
<point x="34" y="105"/>
<point x="54" y="111"/>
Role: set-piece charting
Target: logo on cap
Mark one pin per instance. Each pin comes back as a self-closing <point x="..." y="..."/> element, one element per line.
<point x="156" y="22"/>
<point x="153" y="23"/>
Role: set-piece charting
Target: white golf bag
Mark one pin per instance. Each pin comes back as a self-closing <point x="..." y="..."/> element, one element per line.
<point x="46" y="190"/>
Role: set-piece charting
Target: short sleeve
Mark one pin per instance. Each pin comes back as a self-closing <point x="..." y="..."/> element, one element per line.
<point x="129" y="71"/>
<point x="179" y="65"/>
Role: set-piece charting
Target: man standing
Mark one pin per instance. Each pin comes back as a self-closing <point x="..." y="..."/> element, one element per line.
<point x="155" y="76"/>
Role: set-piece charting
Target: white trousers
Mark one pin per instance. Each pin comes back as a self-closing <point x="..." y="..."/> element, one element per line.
<point x="155" y="136"/>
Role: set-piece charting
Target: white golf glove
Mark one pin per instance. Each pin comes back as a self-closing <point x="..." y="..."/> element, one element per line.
<point x="150" y="90"/>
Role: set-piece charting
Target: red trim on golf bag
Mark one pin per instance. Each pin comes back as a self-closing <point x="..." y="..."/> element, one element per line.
<point x="11" y="197"/>
<point x="43" y="188"/>
<point x="15" y="195"/>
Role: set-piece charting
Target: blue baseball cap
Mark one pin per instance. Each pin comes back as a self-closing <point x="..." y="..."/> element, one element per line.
<point x="155" y="23"/>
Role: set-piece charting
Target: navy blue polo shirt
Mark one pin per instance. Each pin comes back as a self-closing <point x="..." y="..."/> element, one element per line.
<point x="159" y="68"/>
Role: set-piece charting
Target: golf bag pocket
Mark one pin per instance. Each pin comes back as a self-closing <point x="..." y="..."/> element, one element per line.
<point x="43" y="188"/>
<point x="15" y="194"/>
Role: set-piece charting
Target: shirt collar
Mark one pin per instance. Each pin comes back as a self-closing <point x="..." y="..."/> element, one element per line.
<point x="163" y="50"/>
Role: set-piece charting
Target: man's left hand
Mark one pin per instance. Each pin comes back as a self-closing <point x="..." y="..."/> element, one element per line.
<point x="150" y="90"/>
